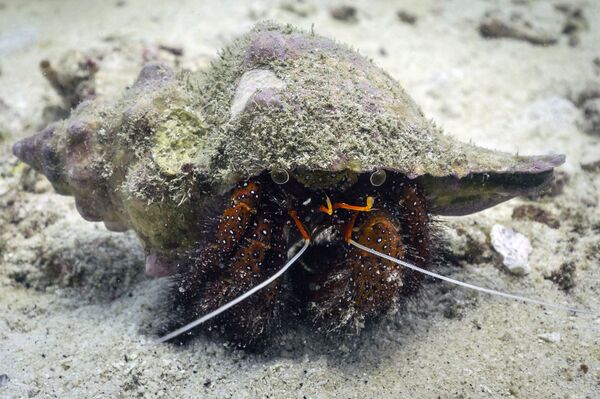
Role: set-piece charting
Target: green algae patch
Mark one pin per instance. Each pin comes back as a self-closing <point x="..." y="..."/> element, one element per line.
<point x="177" y="141"/>
<point x="163" y="226"/>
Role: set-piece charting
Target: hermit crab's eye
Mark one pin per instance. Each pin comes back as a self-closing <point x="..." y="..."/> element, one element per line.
<point x="378" y="177"/>
<point x="280" y="176"/>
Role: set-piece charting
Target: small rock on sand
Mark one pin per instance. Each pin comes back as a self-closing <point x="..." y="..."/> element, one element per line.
<point x="344" y="13"/>
<point x="591" y="114"/>
<point x="407" y="17"/>
<point x="514" y="248"/>
<point x="4" y="380"/>
<point x="587" y="99"/>
<point x="302" y="9"/>
<point x="514" y="26"/>
<point x="551" y="337"/>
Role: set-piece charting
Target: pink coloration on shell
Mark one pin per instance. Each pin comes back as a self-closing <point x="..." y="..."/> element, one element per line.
<point x="157" y="266"/>
<point x="266" y="47"/>
<point x="267" y="97"/>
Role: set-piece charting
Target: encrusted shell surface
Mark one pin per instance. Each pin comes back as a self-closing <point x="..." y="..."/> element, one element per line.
<point x="276" y="98"/>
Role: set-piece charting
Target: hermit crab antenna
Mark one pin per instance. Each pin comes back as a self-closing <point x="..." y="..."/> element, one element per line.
<point x="237" y="300"/>
<point x="471" y="286"/>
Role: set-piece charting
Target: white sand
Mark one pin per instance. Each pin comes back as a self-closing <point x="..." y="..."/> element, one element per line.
<point x="504" y="94"/>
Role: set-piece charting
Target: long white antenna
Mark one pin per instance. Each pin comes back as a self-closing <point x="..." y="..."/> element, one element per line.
<point x="237" y="300"/>
<point x="471" y="286"/>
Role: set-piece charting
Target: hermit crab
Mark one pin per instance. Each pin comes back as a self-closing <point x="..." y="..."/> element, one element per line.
<point x="290" y="148"/>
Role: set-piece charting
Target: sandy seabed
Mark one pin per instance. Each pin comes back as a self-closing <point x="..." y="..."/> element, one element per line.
<point x="73" y="299"/>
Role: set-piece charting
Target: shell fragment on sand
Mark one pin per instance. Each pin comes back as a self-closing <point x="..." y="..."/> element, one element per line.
<point x="514" y="248"/>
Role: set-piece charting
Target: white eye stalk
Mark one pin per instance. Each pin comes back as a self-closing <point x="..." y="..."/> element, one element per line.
<point x="378" y="177"/>
<point x="280" y="176"/>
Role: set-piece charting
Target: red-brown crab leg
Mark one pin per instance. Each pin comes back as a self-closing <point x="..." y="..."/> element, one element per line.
<point x="236" y="219"/>
<point x="232" y="226"/>
<point x="260" y="252"/>
<point x="376" y="281"/>
<point x="364" y="284"/>
<point x="254" y="235"/>
<point x="349" y="227"/>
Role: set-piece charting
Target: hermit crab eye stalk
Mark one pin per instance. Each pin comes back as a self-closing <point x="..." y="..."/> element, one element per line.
<point x="280" y="176"/>
<point x="378" y="177"/>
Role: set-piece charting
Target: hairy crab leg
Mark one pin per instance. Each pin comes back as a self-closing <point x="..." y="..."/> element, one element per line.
<point x="376" y="282"/>
<point x="416" y="224"/>
<point x="237" y="300"/>
<point x="360" y="286"/>
<point x="249" y="263"/>
<point x="364" y="285"/>
<point x="233" y="224"/>
<point x="236" y="219"/>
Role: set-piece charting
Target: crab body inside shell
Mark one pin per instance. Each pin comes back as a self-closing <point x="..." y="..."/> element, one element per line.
<point x="338" y="286"/>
